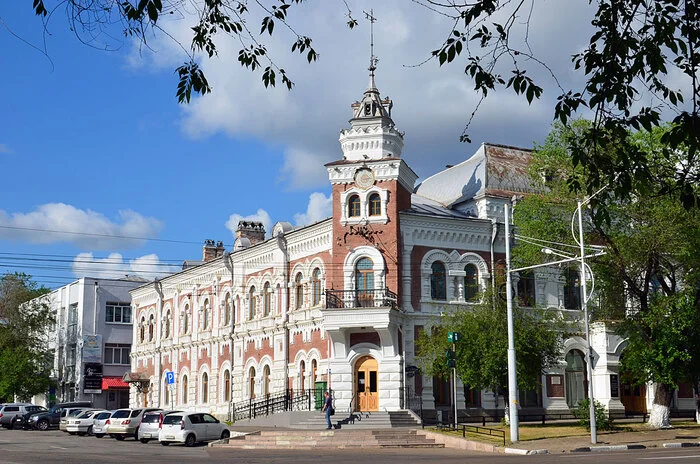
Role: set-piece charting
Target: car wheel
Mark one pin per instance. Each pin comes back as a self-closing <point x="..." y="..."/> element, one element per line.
<point x="9" y="426"/>
<point x="190" y="440"/>
<point x="43" y="425"/>
<point x="145" y="440"/>
<point x="99" y="435"/>
<point x="71" y="433"/>
<point x="225" y="434"/>
<point x="81" y="434"/>
<point x="136" y="435"/>
<point x="165" y="443"/>
<point x="119" y="437"/>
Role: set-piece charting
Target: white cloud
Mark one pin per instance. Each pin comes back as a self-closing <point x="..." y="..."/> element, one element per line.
<point x="114" y="267"/>
<point x="260" y="216"/>
<point x="319" y="207"/>
<point x="62" y="223"/>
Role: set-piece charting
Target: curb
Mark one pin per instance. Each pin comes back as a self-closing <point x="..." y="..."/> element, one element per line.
<point x="681" y="445"/>
<point x="607" y="448"/>
<point x="525" y="452"/>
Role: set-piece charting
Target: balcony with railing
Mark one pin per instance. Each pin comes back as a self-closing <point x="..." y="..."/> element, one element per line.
<point x="351" y="299"/>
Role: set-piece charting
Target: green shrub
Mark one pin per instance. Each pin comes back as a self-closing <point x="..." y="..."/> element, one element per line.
<point x="602" y="419"/>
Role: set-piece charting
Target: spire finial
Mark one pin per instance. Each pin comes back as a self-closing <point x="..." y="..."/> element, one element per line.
<point x="372" y="59"/>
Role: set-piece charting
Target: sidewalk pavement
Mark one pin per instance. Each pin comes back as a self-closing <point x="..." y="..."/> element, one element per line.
<point x="612" y="441"/>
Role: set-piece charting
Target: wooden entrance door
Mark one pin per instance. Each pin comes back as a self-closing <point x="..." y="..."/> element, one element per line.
<point x="367" y="384"/>
<point x="634" y="397"/>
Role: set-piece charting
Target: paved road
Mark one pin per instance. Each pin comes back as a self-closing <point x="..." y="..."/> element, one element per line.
<point x="31" y="447"/>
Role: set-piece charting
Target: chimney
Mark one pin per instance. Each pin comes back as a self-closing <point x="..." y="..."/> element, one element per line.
<point x="209" y="250"/>
<point x="253" y="231"/>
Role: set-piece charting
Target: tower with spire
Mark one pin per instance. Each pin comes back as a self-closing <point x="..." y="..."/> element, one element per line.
<point x="371" y="185"/>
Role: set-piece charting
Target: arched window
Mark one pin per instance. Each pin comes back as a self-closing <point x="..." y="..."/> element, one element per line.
<point x="298" y="291"/>
<point x="364" y="282"/>
<point x="302" y="375"/>
<point x="526" y="289"/>
<point x="151" y="327"/>
<point x="266" y="380"/>
<point x="227" y="309"/>
<point x="205" y="388"/>
<point x="572" y="292"/>
<point x="251" y="382"/>
<point x="205" y="315"/>
<point x="438" y="283"/>
<point x="168" y="320"/>
<point x="316" y="286"/>
<point x="471" y="282"/>
<point x="354" y="206"/>
<point x="186" y="319"/>
<point x="375" y="205"/>
<point x="227" y="385"/>
<point x="267" y="299"/>
<point x="251" y="303"/>
<point x="314" y="367"/>
<point x="142" y="332"/>
<point x="185" y="389"/>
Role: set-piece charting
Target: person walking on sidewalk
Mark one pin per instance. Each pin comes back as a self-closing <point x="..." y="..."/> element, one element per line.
<point x="328" y="409"/>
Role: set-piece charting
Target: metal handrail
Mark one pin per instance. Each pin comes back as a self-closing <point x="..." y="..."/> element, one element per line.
<point x="370" y="298"/>
<point x="287" y="400"/>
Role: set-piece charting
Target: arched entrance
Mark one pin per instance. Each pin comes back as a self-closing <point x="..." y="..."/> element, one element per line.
<point x="367" y="384"/>
<point x="575" y="378"/>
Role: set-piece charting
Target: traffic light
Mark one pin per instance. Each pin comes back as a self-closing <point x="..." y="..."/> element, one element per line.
<point x="451" y="361"/>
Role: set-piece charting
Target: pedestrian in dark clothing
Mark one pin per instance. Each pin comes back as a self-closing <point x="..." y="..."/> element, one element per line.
<point x="328" y="409"/>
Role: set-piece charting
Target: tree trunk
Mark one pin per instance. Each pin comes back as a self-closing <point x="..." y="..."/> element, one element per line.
<point x="506" y="409"/>
<point x="660" y="416"/>
<point x="696" y="391"/>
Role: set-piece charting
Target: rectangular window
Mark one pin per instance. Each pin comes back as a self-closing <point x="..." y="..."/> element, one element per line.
<point x="117" y="353"/>
<point x="118" y="313"/>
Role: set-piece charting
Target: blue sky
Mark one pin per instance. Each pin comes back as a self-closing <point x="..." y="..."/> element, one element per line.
<point x="95" y="142"/>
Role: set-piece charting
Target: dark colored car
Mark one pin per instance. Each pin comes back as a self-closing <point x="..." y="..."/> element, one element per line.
<point x="52" y="417"/>
<point x="20" y="420"/>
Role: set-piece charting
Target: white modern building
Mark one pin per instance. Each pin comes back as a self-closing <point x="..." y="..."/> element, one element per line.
<point x="91" y="341"/>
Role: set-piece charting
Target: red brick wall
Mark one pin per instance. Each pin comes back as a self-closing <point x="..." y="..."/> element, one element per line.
<point x="316" y="342"/>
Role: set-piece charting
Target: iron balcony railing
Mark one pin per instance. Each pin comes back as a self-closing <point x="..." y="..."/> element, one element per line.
<point x="349" y="299"/>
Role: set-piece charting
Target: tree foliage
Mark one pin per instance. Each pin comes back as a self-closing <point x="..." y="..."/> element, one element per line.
<point x="24" y="354"/>
<point x="482" y="352"/>
<point x="653" y="254"/>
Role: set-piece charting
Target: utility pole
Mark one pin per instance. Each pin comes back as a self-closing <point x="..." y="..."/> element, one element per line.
<point x="512" y="373"/>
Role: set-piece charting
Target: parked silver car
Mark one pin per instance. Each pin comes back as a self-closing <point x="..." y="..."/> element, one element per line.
<point x="82" y="424"/>
<point x="10" y="410"/>
<point x="125" y="422"/>
<point x="69" y="413"/>
<point x="150" y="425"/>
<point x="99" y="425"/>
<point x="191" y="428"/>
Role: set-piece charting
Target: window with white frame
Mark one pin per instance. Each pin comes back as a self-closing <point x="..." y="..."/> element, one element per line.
<point x="118" y="313"/>
<point x="117" y="353"/>
<point x="471" y="282"/>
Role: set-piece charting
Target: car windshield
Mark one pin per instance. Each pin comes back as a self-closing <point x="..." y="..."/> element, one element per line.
<point x="103" y="415"/>
<point x="75" y="413"/>
<point x="36" y="409"/>
<point x="120" y="414"/>
<point x="171" y="419"/>
<point x="86" y="415"/>
<point x="150" y="418"/>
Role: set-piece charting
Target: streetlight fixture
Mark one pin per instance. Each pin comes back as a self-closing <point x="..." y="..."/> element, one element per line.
<point x="512" y="374"/>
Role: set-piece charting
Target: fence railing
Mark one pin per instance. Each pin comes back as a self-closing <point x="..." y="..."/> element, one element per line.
<point x="501" y="434"/>
<point x="372" y="298"/>
<point x="287" y="400"/>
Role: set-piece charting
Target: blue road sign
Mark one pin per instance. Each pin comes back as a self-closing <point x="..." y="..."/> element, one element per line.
<point x="170" y="377"/>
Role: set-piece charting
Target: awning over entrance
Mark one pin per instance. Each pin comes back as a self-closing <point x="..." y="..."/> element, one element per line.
<point x="113" y="382"/>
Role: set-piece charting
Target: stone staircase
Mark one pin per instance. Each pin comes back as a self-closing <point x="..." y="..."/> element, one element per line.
<point x="339" y="439"/>
<point x="361" y="420"/>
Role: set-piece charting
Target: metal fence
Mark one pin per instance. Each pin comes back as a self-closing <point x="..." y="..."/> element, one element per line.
<point x="288" y="400"/>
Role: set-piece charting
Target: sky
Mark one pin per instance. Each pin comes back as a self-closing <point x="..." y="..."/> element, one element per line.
<point x="104" y="174"/>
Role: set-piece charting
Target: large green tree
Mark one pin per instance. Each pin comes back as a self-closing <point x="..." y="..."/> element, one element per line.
<point x="635" y="49"/>
<point x="25" y="319"/>
<point x="649" y="278"/>
<point x="482" y="352"/>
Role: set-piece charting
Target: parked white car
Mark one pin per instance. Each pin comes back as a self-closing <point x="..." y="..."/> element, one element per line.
<point x="191" y="428"/>
<point x="69" y="413"/>
<point x="150" y="425"/>
<point x="99" y="425"/>
<point x="83" y="424"/>
<point x="125" y="422"/>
